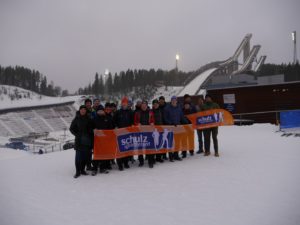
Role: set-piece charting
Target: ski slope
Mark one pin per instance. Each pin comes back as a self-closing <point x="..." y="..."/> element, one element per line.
<point x="193" y="87"/>
<point x="255" y="181"/>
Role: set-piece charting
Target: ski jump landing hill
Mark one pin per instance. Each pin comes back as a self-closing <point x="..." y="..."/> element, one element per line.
<point x="230" y="67"/>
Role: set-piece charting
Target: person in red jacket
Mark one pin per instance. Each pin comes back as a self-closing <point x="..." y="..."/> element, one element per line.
<point x="144" y="117"/>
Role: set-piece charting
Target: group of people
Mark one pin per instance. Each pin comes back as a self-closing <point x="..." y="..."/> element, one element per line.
<point x="93" y="115"/>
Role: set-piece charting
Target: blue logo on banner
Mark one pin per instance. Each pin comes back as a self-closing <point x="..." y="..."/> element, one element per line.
<point x="290" y="119"/>
<point x="229" y="107"/>
<point x="213" y="118"/>
<point x="146" y="140"/>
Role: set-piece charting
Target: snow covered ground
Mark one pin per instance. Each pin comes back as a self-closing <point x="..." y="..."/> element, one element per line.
<point x="167" y="92"/>
<point x="256" y="180"/>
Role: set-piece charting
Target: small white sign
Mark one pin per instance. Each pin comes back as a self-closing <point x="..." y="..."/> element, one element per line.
<point x="229" y="98"/>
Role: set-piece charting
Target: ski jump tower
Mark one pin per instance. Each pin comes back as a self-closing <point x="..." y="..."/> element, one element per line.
<point x="229" y="67"/>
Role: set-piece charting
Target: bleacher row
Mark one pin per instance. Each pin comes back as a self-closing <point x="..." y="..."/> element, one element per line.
<point x="37" y="120"/>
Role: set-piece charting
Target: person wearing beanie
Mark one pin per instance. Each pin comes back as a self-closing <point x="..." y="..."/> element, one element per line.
<point x="103" y="121"/>
<point x="96" y="106"/>
<point x="200" y="134"/>
<point x="162" y="106"/>
<point x="173" y="115"/>
<point x="210" y="132"/>
<point x="187" y="110"/>
<point x="82" y="128"/>
<point x="138" y="106"/>
<point x="123" y="118"/>
<point x="144" y="117"/>
<point x="158" y="120"/>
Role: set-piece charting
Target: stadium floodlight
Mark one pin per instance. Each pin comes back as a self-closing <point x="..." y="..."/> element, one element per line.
<point x="294" y="35"/>
<point x="106" y="72"/>
<point x="177" y="58"/>
<point x="294" y="38"/>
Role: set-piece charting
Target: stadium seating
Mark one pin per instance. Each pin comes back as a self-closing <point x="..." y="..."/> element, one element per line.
<point x="37" y="120"/>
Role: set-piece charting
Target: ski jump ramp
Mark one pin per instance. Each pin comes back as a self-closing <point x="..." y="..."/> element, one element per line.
<point x="195" y="85"/>
<point x="192" y="88"/>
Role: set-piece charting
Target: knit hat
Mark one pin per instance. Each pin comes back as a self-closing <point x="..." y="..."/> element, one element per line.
<point x="154" y="101"/>
<point x="107" y="105"/>
<point x="82" y="107"/>
<point x="124" y="100"/>
<point x="173" y="98"/>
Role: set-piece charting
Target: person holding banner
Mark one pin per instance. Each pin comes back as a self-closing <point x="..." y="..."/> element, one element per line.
<point x="103" y="121"/>
<point x="82" y="128"/>
<point x="208" y="132"/>
<point x="187" y="110"/>
<point x="173" y="115"/>
<point x="158" y="120"/>
<point x="199" y="108"/>
<point x="162" y="106"/>
<point x="123" y="118"/>
<point x="144" y="117"/>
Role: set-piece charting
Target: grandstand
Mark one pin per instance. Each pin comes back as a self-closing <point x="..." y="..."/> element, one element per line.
<point x="36" y="119"/>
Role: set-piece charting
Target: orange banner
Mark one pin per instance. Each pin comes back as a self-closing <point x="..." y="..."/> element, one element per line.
<point x="211" y="118"/>
<point x="138" y="140"/>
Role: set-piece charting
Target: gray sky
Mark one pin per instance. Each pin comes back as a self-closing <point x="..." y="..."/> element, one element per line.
<point x="70" y="40"/>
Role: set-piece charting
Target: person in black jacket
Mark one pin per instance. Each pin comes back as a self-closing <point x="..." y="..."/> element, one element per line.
<point x="162" y="106"/>
<point x="103" y="121"/>
<point x="89" y="112"/>
<point x="144" y="117"/>
<point x="82" y="128"/>
<point x="187" y="110"/>
<point x="158" y="120"/>
<point x="123" y="118"/>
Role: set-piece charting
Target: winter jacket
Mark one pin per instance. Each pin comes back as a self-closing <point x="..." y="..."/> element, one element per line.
<point x="210" y="105"/>
<point x="144" y="117"/>
<point x="104" y="122"/>
<point x="188" y="112"/>
<point x="158" y="116"/>
<point x="123" y="118"/>
<point x="82" y="128"/>
<point x="173" y="115"/>
<point x="94" y="111"/>
<point x="162" y="109"/>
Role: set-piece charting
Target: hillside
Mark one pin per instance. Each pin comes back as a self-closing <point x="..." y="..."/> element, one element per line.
<point x="14" y="97"/>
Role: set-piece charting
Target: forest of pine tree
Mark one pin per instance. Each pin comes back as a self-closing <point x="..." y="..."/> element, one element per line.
<point x="29" y="79"/>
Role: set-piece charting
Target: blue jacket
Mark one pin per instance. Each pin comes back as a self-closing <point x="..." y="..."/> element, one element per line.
<point x="174" y="115"/>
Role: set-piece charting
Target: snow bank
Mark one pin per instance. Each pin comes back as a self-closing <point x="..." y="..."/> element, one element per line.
<point x="255" y="181"/>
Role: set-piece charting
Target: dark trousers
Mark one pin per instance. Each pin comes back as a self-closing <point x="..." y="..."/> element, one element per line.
<point x="159" y="157"/>
<point x="183" y="153"/>
<point x="81" y="158"/>
<point x="122" y="162"/>
<point x="103" y="164"/>
<point x="89" y="160"/>
<point x="207" y="134"/>
<point x="150" y="159"/>
<point x="200" y="139"/>
<point x="173" y="155"/>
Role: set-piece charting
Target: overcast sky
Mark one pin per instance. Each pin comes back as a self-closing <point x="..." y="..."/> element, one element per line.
<point x="70" y="40"/>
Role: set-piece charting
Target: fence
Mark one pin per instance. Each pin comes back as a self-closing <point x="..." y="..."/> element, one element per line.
<point x="272" y="117"/>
